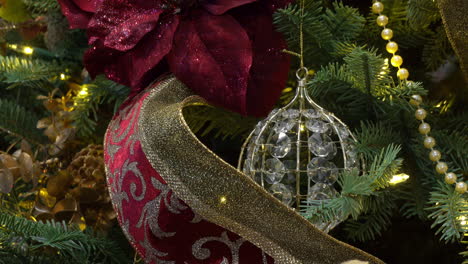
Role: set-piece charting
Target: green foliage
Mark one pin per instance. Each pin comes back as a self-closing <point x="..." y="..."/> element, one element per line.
<point x="86" y="104"/>
<point x="366" y="69"/>
<point x="28" y="239"/>
<point x="375" y="219"/>
<point x="447" y="208"/>
<point x="356" y="195"/>
<point x="21" y="70"/>
<point x="385" y="165"/>
<point x="41" y="7"/>
<point x="19" y="122"/>
<point x="205" y="119"/>
<point x="343" y="22"/>
<point x="373" y="137"/>
<point x="421" y="13"/>
<point x="437" y="49"/>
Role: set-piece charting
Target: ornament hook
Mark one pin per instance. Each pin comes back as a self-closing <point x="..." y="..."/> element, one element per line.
<point x="301" y="75"/>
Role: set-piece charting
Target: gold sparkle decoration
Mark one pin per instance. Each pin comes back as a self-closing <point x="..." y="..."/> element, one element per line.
<point x="200" y="178"/>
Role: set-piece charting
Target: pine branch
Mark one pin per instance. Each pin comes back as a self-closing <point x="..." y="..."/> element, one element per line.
<point x="41" y="7"/>
<point x="367" y="70"/>
<point x="421" y="13"/>
<point x="204" y="119"/>
<point x="385" y="165"/>
<point x="372" y="138"/>
<point x="448" y="206"/>
<point x="379" y="209"/>
<point x="20" y="70"/>
<point x="332" y="86"/>
<point x="344" y="23"/>
<point x="70" y="244"/>
<point x="355" y="189"/>
<point x="87" y="103"/>
<point x="19" y="122"/>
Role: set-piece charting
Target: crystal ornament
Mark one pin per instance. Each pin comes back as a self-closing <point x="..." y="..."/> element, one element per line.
<point x="298" y="152"/>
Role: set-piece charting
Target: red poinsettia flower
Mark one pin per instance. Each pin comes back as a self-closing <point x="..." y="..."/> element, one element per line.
<point x="227" y="51"/>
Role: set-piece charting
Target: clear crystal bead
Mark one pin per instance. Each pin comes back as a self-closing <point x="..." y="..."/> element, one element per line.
<point x="259" y="126"/>
<point x="322" y="191"/>
<point x="291" y="166"/>
<point x="282" y="193"/>
<point x="317" y="126"/>
<point x="274" y="170"/>
<point x="272" y="113"/>
<point x="291" y="113"/>
<point x="352" y="159"/>
<point x="321" y="145"/>
<point x="343" y="131"/>
<point x="280" y="145"/>
<point x="284" y="125"/>
<point x="321" y="170"/>
<point x="311" y="113"/>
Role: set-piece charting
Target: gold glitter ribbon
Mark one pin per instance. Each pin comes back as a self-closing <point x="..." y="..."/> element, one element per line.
<point x="222" y="194"/>
<point x="454" y="16"/>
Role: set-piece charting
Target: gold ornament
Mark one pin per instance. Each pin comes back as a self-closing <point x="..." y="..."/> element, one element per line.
<point x="377" y="7"/>
<point x="392" y="47"/>
<point x="429" y="142"/>
<point x="58" y="127"/>
<point x="424" y="128"/>
<point x="382" y="20"/>
<point x="387" y="34"/>
<point x="78" y="194"/>
<point x="450" y="178"/>
<point x="441" y="167"/>
<point x="435" y="155"/>
<point x="420" y="114"/>
<point x="396" y="61"/>
<point x="461" y="187"/>
<point x="416" y="100"/>
<point x="403" y="74"/>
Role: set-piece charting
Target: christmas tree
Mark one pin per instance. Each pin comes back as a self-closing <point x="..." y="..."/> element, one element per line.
<point x="402" y="206"/>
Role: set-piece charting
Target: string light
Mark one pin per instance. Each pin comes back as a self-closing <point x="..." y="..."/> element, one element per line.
<point x="223" y="200"/>
<point x="83" y="92"/>
<point x="63" y="76"/>
<point x="399" y="178"/>
<point x="28" y="50"/>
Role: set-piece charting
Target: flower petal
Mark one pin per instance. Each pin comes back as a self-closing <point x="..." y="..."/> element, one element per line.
<point x="130" y="32"/>
<point x="270" y="67"/>
<point x="130" y="67"/>
<point x="218" y="7"/>
<point x="115" y="18"/>
<point x="88" y="5"/>
<point x="212" y="55"/>
<point x="77" y="18"/>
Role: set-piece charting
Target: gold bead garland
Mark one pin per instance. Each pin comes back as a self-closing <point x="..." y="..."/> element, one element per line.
<point x="416" y="100"/>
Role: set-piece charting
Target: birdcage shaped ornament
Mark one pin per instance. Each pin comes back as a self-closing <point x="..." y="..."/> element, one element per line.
<point x="298" y="152"/>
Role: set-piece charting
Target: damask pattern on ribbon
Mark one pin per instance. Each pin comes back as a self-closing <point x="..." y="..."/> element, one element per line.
<point x="161" y="227"/>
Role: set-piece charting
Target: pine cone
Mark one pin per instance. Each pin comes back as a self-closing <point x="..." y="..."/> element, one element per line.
<point x="88" y="166"/>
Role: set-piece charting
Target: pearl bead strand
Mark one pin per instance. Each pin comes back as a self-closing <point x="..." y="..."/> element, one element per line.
<point x="416" y="100"/>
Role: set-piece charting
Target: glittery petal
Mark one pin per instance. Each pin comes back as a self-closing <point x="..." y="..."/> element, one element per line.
<point x="114" y="14"/>
<point x="88" y="5"/>
<point x="270" y="67"/>
<point x="212" y="55"/>
<point x="77" y="18"/>
<point x="126" y="35"/>
<point x="218" y="7"/>
<point x="130" y="67"/>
